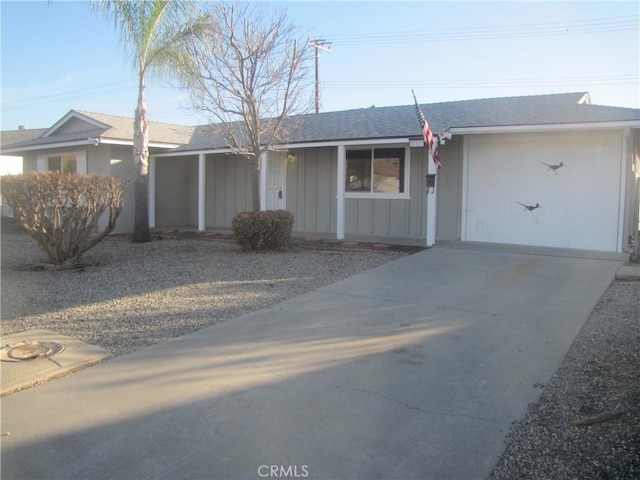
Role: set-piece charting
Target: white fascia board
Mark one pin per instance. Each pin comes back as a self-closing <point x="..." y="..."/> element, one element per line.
<point x="544" y="128"/>
<point x="113" y="141"/>
<point x="193" y="153"/>
<point x="46" y="146"/>
<point x="335" y="143"/>
<point x="288" y="146"/>
<point x="74" y="114"/>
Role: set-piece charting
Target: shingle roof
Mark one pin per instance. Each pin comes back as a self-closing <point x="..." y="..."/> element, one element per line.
<point x="8" y="137"/>
<point x="401" y="121"/>
<point x="116" y="128"/>
<point x="372" y="123"/>
<point x="122" y="128"/>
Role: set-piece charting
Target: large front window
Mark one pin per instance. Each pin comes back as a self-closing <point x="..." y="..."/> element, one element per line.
<point x="375" y="170"/>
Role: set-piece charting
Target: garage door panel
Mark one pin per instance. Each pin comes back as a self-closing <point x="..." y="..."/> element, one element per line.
<point x="514" y="195"/>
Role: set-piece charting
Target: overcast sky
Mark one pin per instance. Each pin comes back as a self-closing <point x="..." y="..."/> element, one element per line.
<point x="59" y="55"/>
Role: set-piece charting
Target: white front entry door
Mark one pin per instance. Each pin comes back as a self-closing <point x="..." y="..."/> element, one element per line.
<point x="276" y="180"/>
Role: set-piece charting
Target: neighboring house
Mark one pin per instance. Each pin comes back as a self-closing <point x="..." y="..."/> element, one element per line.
<point x="8" y="166"/>
<point x="547" y="170"/>
<point x="12" y="165"/>
<point x="86" y="142"/>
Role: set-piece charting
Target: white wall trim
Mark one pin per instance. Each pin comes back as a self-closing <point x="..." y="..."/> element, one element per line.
<point x="340" y="210"/>
<point x="202" y="196"/>
<point x="152" y="192"/>
<point x="623" y="188"/>
<point x="263" y="166"/>
<point x="465" y="188"/>
<point x="431" y="203"/>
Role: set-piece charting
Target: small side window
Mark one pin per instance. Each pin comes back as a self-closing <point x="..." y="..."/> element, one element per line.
<point x="66" y="163"/>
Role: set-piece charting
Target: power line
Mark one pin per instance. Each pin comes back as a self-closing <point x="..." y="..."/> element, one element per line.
<point x="73" y="94"/>
<point x="628" y="79"/>
<point x="602" y="25"/>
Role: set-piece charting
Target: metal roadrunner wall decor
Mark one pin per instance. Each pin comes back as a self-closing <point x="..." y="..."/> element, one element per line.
<point x="531" y="208"/>
<point x="553" y="168"/>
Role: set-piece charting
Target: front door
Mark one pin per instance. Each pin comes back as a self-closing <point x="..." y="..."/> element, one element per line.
<point x="276" y="180"/>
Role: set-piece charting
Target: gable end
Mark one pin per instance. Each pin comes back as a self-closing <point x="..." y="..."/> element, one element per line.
<point x="74" y="122"/>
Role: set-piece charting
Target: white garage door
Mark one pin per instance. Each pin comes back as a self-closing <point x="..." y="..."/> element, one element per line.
<point x="555" y="190"/>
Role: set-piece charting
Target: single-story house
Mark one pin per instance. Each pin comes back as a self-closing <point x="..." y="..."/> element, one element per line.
<point x="87" y="142"/>
<point x="545" y="170"/>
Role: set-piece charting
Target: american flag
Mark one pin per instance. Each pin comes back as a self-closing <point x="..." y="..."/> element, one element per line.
<point x="428" y="134"/>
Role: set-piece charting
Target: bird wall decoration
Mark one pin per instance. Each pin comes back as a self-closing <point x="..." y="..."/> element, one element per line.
<point x="553" y="168"/>
<point x="530" y="208"/>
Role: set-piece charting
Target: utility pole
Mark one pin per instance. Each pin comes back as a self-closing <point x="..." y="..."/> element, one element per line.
<point x="319" y="44"/>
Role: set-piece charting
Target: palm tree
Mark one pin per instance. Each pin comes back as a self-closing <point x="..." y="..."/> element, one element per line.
<point x="153" y="33"/>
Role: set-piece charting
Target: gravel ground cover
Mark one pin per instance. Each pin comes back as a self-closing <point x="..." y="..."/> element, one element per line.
<point x="600" y="373"/>
<point x="135" y="295"/>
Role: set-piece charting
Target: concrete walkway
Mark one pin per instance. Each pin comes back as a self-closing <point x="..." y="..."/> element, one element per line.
<point x="413" y="370"/>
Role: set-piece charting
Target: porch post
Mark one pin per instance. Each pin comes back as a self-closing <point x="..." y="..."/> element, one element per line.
<point x="151" y="207"/>
<point x="202" y="175"/>
<point x="625" y="165"/>
<point x="431" y="204"/>
<point x="340" y="214"/>
<point x="264" y="166"/>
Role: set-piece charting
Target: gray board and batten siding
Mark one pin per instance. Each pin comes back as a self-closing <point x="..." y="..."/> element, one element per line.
<point x="310" y="191"/>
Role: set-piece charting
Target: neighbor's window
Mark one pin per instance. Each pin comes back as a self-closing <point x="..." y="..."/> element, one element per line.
<point x="66" y="163"/>
<point x="376" y="170"/>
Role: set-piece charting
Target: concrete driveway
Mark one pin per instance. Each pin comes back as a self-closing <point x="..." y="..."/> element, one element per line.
<point x="412" y="370"/>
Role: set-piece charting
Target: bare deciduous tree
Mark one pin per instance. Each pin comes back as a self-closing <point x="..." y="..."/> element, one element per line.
<point x="253" y="72"/>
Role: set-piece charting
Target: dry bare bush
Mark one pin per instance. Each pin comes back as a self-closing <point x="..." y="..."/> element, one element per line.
<point x="61" y="211"/>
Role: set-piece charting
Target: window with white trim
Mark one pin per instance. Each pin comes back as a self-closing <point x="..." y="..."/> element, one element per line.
<point x="377" y="172"/>
<point x="68" y="162"/>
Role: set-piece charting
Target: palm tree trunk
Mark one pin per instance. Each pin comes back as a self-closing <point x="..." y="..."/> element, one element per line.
<point x="141" y="232"/>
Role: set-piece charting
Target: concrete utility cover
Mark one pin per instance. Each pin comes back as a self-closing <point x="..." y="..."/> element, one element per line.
<point x="33" y="357"/>
<point x="29" y="351"/>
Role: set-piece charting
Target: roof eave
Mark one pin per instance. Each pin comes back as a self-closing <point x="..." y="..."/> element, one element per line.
<point x="120" y="141"/>
<point x="28" y="148"/>
<point x="287" y="146"/>
<point x="83" y="142"/>
<point x="551" y="127"/>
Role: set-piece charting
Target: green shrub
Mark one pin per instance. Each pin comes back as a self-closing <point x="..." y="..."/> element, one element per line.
<point x="267" y="230"/>
<point x="61" y="210"/>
